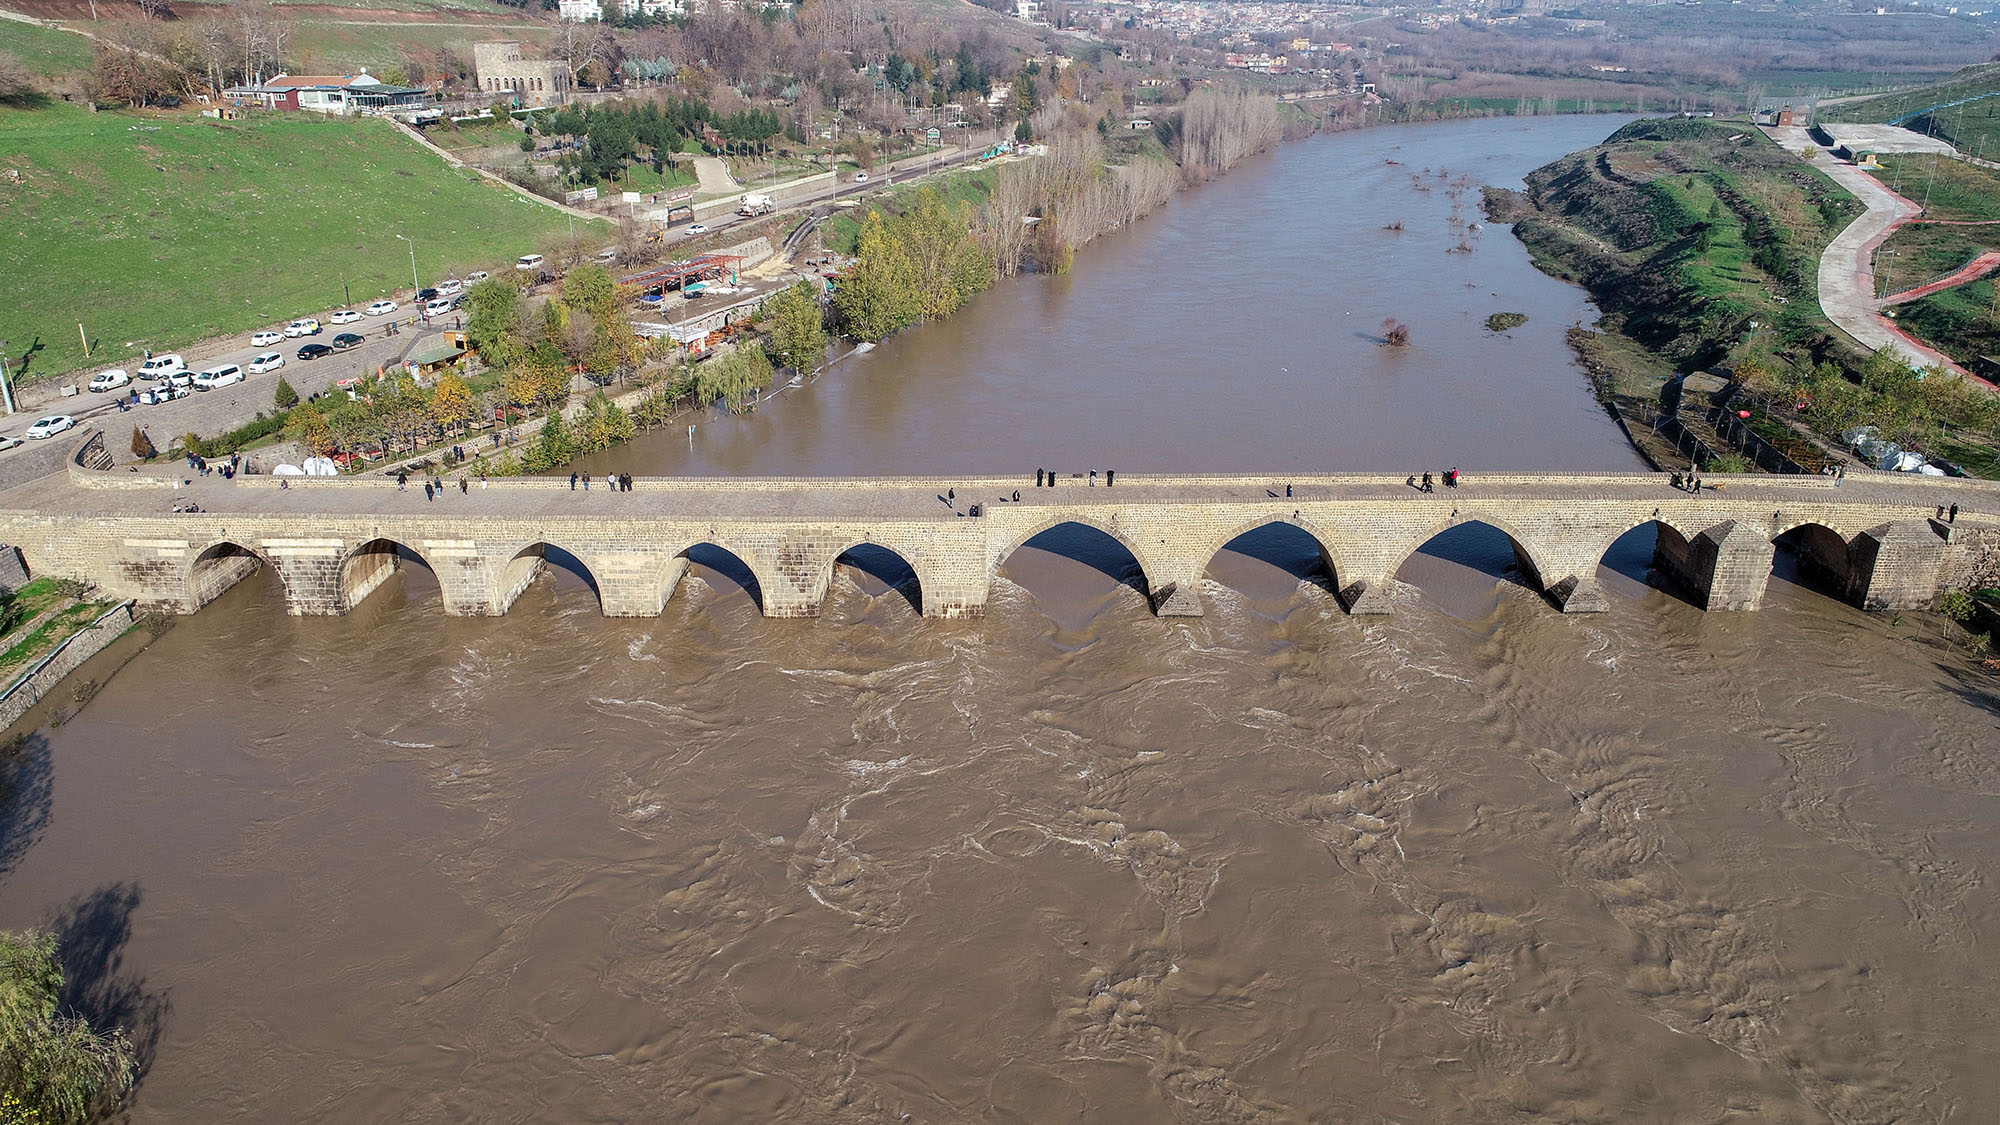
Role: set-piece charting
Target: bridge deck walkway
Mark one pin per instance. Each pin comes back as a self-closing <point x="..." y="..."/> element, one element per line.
<point x="907" y="499"/>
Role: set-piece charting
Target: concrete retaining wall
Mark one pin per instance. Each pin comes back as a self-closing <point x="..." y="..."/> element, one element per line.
<point x="68" y="657"/>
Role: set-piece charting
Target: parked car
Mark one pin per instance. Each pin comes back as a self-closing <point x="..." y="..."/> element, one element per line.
<point x="450" y="287"/>
<point x="438" y="306"/>
<point x="51" y="426"/>
<point x="608" y="255"/>
<point x="266" y="338"/>
<point x="425" y="295"/>
<point x="697" y="228"/>
<point x="345" y="316"/>
<point x="110" y="380"/>
<point x="304" y="326"/>
<point x="345" y="341"/>
<point x="161" y="393"/>
<point x="221" y="375"/>
<point x="860" y="177"/>
<point x="528" y="262"/>
<point x="181" y="378"/>
<point x="161" y="366"/>
<point x="314" y="351"/>
<point x="10" y="442"/>
<point x="476" y="276"/>
<point x="269" y="361"/>
<point x="381" y="308"/>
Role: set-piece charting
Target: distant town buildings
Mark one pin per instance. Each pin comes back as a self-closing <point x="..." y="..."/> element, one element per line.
<point x="583" y="11"/>
<point x="500" y="70"/>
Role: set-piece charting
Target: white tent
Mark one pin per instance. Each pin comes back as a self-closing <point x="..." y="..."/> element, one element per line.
<point x="288" y="471"/>
<point x="1901" y="461"/>
<point x="321" y="467"/>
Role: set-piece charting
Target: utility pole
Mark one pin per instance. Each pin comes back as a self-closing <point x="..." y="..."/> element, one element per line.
<point x="6" y="386"/>
<point x="416" y="284"/>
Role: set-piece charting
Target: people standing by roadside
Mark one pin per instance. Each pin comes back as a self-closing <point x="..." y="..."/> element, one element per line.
<point x="572" y="482"/>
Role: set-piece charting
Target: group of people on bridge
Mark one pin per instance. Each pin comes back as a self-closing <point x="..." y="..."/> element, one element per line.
<point x="1428" y="484"/>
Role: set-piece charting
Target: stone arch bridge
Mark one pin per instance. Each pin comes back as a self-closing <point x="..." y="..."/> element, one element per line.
<point x="1875" y="539"/>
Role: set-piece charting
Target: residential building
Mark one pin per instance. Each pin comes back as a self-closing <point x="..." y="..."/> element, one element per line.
<point x="340" y="94"/>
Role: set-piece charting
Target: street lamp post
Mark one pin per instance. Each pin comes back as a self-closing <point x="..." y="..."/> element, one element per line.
<point x="6" y="386"/>
<point x="414" y="283"/>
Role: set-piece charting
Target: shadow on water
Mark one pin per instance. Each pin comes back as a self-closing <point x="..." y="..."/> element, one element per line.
<point x="1286" y="548"/>
<point x="1479" y="547"/>
<point x="568" y="569"/>
<point x="1627" y="568"/>
<point x="27" y="794"/>
<point x="878" y="570"/>
<point x="720" y="569"/>
<point x="1093" y="548"/>
<point x="92" y="930"/>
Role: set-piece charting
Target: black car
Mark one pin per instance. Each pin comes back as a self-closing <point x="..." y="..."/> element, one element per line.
<point x="314" y="351"/>
<point x="345" y="341"/>
<point x="424" y="295"/>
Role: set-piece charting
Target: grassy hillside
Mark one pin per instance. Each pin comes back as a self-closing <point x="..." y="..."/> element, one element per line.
<point x="157" y="231"/>
<point x="1688" y="233"/>
<point x="1973" y="127"/>
<point x="46" y="52"/>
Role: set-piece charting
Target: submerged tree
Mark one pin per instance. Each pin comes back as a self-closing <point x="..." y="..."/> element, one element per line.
<point x="1395" y="333"/>
<point x="54" y="1067"/>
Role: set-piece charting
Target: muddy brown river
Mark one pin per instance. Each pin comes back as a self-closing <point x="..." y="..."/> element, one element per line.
<point x="1475" y="861"/>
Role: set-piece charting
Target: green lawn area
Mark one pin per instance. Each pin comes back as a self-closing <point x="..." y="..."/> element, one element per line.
<point x="46" y="51"/>
<point x="1963" y="322"/>
<point x="158" y="231"/>
<point x="328" y="47"/>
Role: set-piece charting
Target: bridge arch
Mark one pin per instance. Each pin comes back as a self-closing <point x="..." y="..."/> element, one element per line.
<point x="527" y="562"/>
<point x="731" y="564"/>
<point x="219" y="565"/>
<point x="1328" y="557"/>
<point x="898" y="570"/>
<point x="1022" y="539"/>
<point x="1532" y="561"/>
<point x="1824" y="557"/>
<point x="1662" y="561"/>
<point x="369" y="564"/>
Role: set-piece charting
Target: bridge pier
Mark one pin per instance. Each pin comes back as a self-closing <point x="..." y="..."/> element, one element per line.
<point x="1898" y="565"/>
<point x="1367" y="597"/>
<point x="1724" y="567"/>
<point x="1578" y="595"/>
<point x="1175" y="587"/>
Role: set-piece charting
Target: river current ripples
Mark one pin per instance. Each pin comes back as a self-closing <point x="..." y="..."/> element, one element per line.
<point x="1474" y="861"/>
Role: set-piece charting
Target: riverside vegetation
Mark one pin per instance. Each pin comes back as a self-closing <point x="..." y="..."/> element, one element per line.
<point x="1700" y="242"/>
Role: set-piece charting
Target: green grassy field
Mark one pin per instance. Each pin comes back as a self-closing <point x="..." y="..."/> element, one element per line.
<point x="158" y="231"/>
<point x="46" y="51"/>
<point x="1963" y="322"/>
<point x="328" y="47"/>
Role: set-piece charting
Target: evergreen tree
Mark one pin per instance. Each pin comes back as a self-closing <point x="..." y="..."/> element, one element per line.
<point x="283" y="396"/>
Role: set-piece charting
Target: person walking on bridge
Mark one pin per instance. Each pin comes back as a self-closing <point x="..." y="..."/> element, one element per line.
<point x="1427" y="483"/>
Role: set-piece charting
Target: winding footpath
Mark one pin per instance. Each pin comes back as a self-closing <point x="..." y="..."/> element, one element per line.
<point x="1847" y="268"/>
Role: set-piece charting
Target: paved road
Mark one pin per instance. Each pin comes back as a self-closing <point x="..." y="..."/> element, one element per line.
<point x="1847" y="268"/>
<point x="221" y="410"/>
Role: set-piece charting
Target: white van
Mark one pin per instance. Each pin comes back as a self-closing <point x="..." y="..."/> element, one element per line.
<point x="110" y="380"/>
<point x="304" y="326"/>
<point x="220" y="375"/>
<point x="161" y="366"/>
<point x="438" y="307"/>
<point x="528" y="261"/>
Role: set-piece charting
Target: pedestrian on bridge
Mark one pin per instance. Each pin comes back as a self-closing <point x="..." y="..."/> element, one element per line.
<point x="572" y="482"/>
<point x="429" y="493"/>
<point x="402" y="480"/>
<point x="1038" y="478"/>
<point x="1953" y="517"/>
<point x="1427" y="483"/>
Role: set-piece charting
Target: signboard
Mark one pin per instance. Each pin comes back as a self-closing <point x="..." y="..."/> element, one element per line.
<point x="677" y="195"/>
<point x="931" y="135"/>
<point x="632" y="197"/>
<point x="587" y="195"/>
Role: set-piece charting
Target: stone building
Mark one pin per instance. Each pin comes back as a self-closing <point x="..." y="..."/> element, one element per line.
<point x="501" y="70"/>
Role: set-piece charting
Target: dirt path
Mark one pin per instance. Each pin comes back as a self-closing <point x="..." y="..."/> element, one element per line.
<point x="714" y="176"/>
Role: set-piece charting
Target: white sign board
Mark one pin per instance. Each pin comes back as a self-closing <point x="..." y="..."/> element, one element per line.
<point x="632" y="197"/>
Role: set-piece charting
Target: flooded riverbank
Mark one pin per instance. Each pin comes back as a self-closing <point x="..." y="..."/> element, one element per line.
<point x="1475" y="861"/>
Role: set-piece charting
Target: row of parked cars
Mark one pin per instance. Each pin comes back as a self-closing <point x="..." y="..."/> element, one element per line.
<point x="175" y="380"/>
